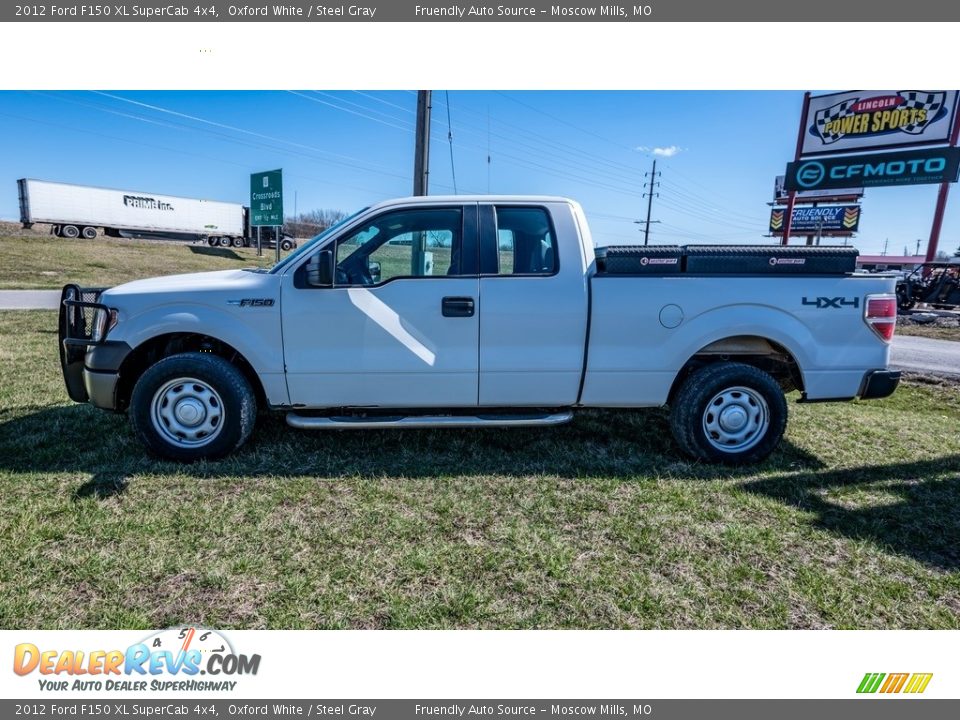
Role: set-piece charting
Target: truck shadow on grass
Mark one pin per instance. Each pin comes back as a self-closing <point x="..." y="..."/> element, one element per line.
<point x="597" y="444"/>
<point x="906" y="508"/>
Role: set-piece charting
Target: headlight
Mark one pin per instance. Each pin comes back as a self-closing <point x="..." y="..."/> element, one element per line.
<point x="103" y="322"/>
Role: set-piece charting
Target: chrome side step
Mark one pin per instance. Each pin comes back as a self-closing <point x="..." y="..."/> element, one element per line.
<point x="347" y="422"/>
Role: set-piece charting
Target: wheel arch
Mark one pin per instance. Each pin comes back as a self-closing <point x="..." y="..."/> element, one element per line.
<point x="158" y="347"/>
<point x="759" y="351"/>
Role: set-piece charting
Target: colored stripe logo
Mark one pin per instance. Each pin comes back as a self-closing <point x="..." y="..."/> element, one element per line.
<point x="912" y="683"/>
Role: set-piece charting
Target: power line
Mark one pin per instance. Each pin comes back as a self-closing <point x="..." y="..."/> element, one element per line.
<point x="347" y="160"/>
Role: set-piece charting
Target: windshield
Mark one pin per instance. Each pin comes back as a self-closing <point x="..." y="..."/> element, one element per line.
<point x="313" y="242"/>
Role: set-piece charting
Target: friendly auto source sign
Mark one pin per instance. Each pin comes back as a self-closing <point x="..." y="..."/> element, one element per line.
<point x="842" y="219"/>
<point x="863" y="120"/>
<point x="266" y="198"/>
<point x="911" y="167"/>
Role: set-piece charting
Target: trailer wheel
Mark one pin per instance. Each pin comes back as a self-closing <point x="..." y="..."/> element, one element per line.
<point x="192" y="406"/>
<point x="237" y="242"/>
<point x="729" y="413"/>
<point x="70" y="231"/>
<point x="224" y="242"/>
<point x="89" y="233"/>
<point x="285" y="244"/>
<point x="212" y="241"/>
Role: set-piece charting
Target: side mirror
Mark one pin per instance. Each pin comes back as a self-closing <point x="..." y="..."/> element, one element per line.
<point x="375" y="273"/>
<point x="320" y="269"/>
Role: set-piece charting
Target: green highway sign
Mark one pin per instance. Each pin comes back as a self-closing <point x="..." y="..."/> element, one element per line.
<point x="266" y="198"/>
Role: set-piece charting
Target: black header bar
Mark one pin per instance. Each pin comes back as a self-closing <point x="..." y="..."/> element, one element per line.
<point x="865" y="11"/>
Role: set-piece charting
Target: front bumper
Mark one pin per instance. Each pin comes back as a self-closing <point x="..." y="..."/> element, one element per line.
<point x="879" y="384"/>
<point x="94" y="376"/>
<point x="101" y="388"/>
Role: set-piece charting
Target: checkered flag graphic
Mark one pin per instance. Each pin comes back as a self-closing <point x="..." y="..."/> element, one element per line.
<point x="916" y="100"/>
<point x="828" y="115"/>
<point x="932" y="102"/>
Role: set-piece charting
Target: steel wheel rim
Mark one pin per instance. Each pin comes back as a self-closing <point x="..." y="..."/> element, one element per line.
<point x="736" y="419"/>
<point x="187" y="412"/>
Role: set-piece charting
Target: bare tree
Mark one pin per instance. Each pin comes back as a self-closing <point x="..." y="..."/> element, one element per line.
<point x="308" y="224"/>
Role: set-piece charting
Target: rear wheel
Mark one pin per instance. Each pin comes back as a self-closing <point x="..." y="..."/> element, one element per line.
<point x="224" y="242"/>
<point x="192" y="406"/>
<point x="89" y="233"/>
<point x="285" y="244"/>
<point x="237" y="242"/>
<point x="70" y="231"/>
<point x="730" y="413"/>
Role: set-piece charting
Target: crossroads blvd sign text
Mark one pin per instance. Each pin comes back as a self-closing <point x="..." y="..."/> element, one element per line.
<point x="266" y="198"/>
<point x="911" y="167"/>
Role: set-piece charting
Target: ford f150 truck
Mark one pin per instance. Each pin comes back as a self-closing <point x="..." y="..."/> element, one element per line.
<point x="482" y="311"/>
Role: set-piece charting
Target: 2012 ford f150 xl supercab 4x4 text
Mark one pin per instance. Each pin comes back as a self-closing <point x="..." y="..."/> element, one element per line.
<point x="482" y="311"/>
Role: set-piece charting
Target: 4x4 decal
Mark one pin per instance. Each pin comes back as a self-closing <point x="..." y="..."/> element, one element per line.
<point x="836" y="302"/>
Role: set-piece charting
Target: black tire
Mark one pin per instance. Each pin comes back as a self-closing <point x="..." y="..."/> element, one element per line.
<point x="212" y="242"/>
<point x="89" y="233"/>
<point x="224" y="242"/>
<point x="70" y="231"/>
<point x="237" y="242"/>
<point x="722" y="385"/>
<point x="285" y="245"/>
<point x="235" y="400"/>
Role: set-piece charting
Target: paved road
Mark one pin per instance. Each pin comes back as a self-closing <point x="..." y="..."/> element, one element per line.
<point x="916" y="354"/>
<point x="29" y="299"/>
<point x="920" y="354"/>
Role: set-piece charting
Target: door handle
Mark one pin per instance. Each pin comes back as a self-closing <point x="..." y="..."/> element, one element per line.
<point x="457" y="307"/>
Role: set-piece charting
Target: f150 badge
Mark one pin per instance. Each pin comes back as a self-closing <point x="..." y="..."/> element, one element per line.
<point x="252" y="302"/>
<point x="836" y="302"/>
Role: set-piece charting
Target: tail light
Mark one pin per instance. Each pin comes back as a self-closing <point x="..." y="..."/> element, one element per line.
<point x="880" y="313"/>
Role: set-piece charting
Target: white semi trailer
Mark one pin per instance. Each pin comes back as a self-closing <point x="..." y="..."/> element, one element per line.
<point x="83" y="211"/>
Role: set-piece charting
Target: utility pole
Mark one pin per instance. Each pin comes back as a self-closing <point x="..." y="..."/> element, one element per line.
<point x="918" y="246"/>
<point x="885" y="243"/>
<point x="421" y="157"/>
<point x="653" y="183"/>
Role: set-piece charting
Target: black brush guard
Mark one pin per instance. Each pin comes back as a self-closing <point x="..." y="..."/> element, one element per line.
<point x="77" y="308"/>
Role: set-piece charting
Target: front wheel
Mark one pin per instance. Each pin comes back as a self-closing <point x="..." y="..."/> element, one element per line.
<point x="730" y="413"/>
<point x="192" y="406"/>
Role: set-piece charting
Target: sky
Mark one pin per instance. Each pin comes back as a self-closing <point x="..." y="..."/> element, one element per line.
<point x="717" y="154"/>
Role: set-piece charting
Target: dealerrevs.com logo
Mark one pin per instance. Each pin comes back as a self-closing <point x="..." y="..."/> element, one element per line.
<point x="171" y="659"/>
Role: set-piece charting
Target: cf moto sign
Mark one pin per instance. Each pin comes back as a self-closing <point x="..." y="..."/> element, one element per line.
<point x="912" y="167"/>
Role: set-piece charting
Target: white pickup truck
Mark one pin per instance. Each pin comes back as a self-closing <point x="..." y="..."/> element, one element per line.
<point x="482" y="311"/>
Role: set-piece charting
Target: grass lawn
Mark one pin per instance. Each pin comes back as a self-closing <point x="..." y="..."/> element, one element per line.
<point x="43" y="261"/>
<point x="855" y="523"/>
<point x="930" y="331"/>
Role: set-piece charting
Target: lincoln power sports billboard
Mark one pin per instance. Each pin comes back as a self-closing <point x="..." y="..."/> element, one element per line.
<point x="873" y="119"/>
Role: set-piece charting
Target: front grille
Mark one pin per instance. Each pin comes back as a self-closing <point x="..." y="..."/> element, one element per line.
<point x="77" y="308"/>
